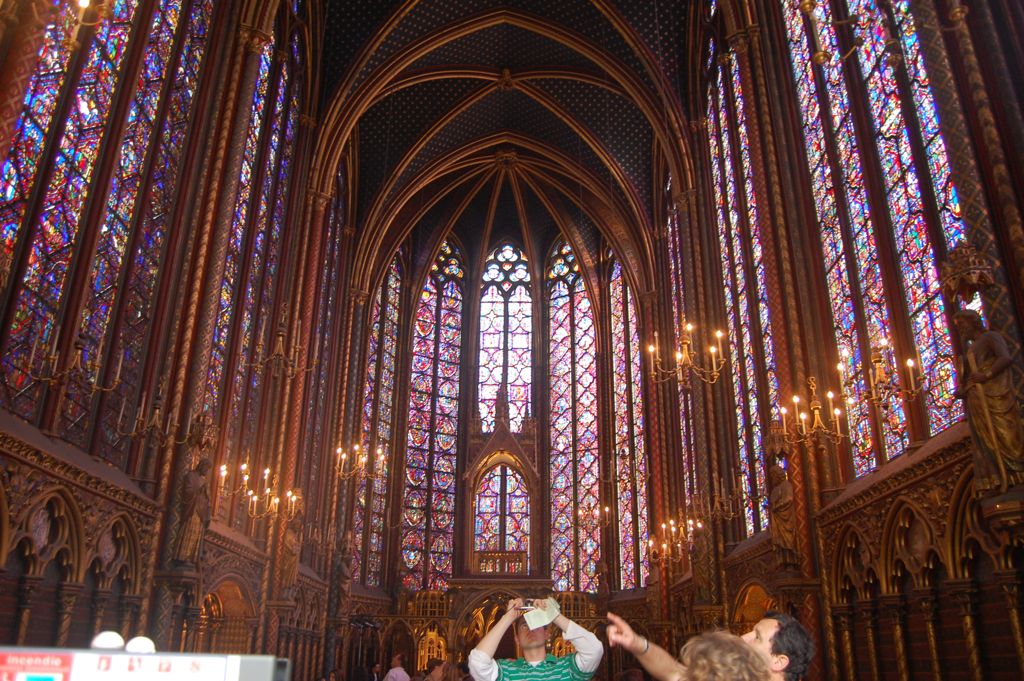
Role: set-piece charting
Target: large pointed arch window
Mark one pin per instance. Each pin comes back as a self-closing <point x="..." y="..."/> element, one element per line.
<point x="630" y="454"/>
<point x="378" y="411"/>
<point x="506" y="336"/>
<point x="751" y="349"/>
<point x="878" y="190"/>
<point x="428" y="519"/>
<point x="63" y="262"/>
<point x="501" y="516"/>
<point x="574" y="472"/>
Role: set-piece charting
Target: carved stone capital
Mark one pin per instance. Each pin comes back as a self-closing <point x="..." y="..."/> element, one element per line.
<point x="965" y="595"/>
<point x="253" y="40"/>
<point x="307" y="121"/>
<point x="739" y="42"/>
<point x="360" y="297"/>
<point x="318" y="199"/>
<point x="844" y="617"/>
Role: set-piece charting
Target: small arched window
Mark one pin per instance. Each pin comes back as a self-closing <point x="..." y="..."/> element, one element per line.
<point x="501" y="508"/>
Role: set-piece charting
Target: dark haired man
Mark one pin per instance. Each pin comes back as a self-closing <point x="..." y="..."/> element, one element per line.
<point x="784" y="643"/>
<point x="779" y="639"/>
<point x="535" y="664"/>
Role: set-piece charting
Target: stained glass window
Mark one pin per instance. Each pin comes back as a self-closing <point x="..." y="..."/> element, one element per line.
<point x="908" y="150"/>
<point x="53" y="230"/>
<point x="677" y="253"/>
<point x="318" y="408"/>
<point x="149" y="242"/>
<point x="54" y="154"/>
<point x="120" y="206"/>
<point x="630" y="451"/>
<point x="574" y="472"/>
<point x="506" y="332"/>
<point x="502" y="513"/>
<point x="750" y="346"/>
<point x="378" y="406"/>
<point x="428" y="521"/>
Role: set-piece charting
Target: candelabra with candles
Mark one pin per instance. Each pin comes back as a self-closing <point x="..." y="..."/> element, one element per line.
<point x="82" y="372"/>
<point x="151" y="428"/>
<point x="262" y="500"/>
<point x="677" y="540"/>
<point x="808" y="424"/>
<point x="342" y="466"/>
<point x="602" y="515"/>
<point x="685" y="363"/>
<point x="279" y="360"/>
<point x="357" y="466"/>
<point x="886" y="383"/>
<point x="720" y="506"/>
<point x="101" y="10"/>
<point x="819" y="55"/>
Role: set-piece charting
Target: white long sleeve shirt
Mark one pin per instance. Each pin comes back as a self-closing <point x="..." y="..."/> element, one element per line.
<point x="589" y="651"/>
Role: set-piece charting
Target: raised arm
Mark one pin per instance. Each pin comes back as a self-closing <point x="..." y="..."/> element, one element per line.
<point x="589" y="650"/>
<point x="653" y="658"/>
<point x="481" y="659"/>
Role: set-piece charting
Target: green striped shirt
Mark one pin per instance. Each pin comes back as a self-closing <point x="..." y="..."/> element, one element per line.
<point x="550" y="669"/>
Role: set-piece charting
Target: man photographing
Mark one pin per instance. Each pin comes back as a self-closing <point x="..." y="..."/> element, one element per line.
<point x="535" y="664"/>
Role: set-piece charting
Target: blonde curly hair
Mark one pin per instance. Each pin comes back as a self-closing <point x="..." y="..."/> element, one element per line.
<point x="721" y="656"/>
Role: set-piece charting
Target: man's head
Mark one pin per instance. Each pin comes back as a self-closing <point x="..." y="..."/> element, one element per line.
<point x="721" y="656"/>
<point x="532" y="640"/>
<point x="435" y="669"/>
<point x="397" y="660"/>
<point x="783" y="643"/>
<point x="376" y="668"/>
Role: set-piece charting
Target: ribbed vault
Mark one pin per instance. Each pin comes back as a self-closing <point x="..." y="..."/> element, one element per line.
<point x="493" y="121"/>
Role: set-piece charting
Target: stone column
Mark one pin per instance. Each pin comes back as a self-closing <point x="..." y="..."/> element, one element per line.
<point x="893" y="607"/>
<point x="1011" y="591"/>
<point x="927" y="606"/>
<point x="965" y="594"/>
<point x="66" y="601"/>
<point x="189" y="381"/>
<point x="843" y="616"/>
<point x="866" y="613"/>
<point x="100" y="600"/>
<point x="26" y="587"/>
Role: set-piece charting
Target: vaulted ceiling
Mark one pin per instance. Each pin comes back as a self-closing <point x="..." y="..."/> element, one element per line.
<point x="515" y="120"/>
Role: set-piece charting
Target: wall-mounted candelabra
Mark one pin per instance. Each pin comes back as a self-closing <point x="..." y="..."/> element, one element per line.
<point x="888" y="383"/>
<point x="358" y="465"/>
<point x="819" y="55"/>
<point x="676" y="540"/>
<point x="808" y="423"/>
<point x="346" y="467"/>
<point x="685" y="363"/>
<point x="101" y="10"/>
<point x="602" y="515"/>
<point x="280" y="361"/>
<point x="82" y="372"/>
<point x="261" y="496"/>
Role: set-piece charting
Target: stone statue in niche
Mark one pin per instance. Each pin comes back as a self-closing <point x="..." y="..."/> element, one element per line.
<point x="346" y="565"/>
<point x="194" y="514"/>
<point x="291" y="548"/>
<point x="604" y="581"/>
<point x="993" y="405"/>
<point x="782" y="510"/>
